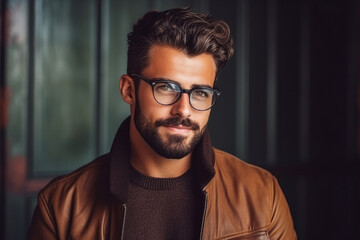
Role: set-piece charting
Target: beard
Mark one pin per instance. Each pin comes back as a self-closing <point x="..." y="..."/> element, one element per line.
<point x="175" y="146"/>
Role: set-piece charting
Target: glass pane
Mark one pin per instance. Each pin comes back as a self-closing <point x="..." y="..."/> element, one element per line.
<point x="164" y="4"/>
<point x="64" y="80"/>
<point x="16" y="79"/>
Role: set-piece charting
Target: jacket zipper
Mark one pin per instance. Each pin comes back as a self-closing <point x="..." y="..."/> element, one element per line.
<point x="204" y="214"/>
<point x="123" y="223"/>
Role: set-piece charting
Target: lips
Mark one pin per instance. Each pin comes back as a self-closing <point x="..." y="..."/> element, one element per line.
<point x="180" y="127"/>
<point x="178" y="123"/>
<point x="178" y="130"/>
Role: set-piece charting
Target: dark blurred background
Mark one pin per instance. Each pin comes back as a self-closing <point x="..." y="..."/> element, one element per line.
<point x="290" y="103"/>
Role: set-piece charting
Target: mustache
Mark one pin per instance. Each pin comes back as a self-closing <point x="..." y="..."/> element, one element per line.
<point x="174" y="122"/>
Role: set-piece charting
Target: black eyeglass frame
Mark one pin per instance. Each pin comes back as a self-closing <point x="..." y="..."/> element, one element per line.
<point x="153" y="82"/>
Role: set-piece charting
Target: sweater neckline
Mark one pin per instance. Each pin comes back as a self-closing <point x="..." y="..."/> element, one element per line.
<point x="153" y="183"/>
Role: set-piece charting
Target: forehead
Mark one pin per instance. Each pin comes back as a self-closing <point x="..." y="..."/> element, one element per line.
<point x="171" y="63"/>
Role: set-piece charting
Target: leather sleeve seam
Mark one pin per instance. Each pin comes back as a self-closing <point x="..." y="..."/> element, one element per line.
<point x="272" y="203"/>
<point x="47" y="210"/>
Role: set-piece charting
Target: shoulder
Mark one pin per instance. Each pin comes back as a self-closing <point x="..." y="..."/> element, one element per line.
<point x="249" y="197"/>
<point x="86" y="180"/>
<point x="68" y="203"/>
<point x="226" y="163"/>
<point x="237" y="182"/>
<point x="237" y="176"/>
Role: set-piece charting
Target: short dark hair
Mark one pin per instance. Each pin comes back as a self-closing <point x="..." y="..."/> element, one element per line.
<point x="190" y="32"/>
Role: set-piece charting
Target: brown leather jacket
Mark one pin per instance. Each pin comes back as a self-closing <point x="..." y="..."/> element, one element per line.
<point x="241" y="201"/>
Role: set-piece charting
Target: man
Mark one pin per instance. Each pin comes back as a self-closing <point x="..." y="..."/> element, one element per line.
<point x="162" y="178"/>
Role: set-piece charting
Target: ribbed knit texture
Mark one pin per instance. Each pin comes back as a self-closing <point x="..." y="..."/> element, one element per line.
<point x="163" y="208"/>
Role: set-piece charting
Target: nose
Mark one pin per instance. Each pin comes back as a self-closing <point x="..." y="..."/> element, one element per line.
<point x="182" y="107"/>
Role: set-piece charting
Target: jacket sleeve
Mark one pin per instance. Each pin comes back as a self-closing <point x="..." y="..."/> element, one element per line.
<point x="281" y="226"/>
<point x="42" y="225"/>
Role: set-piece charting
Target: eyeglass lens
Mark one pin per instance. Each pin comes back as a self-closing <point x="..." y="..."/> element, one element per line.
<point x="168" y="93"/>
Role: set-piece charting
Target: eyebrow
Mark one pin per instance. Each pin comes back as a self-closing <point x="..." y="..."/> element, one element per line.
<point x="201" y="86"/>
<point x="192" y="86"/>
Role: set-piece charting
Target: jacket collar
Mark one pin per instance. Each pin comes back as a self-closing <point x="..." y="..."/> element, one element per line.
<point x="203" y="162"/>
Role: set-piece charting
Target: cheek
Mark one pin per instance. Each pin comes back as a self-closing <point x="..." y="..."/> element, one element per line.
<point x="203" y="119"/>
<point x="152" y="110"/>
<point x="144" y="100"/>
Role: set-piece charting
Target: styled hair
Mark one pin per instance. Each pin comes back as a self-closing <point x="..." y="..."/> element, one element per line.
<point x="190" y="32"/>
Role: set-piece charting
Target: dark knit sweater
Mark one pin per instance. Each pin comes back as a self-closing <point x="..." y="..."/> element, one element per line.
<point x="163" y="208"/>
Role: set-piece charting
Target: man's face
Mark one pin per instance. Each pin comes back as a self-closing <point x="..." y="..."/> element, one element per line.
<point x="173" y="131"/>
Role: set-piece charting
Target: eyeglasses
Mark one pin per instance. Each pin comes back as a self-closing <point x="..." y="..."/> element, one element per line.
<point x="167" y="92"/>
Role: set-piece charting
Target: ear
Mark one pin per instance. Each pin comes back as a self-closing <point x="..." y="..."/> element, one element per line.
<point x="127" y="89"/>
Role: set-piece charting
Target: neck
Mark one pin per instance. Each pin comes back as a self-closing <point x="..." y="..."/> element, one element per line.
<point x="148" y="162"/>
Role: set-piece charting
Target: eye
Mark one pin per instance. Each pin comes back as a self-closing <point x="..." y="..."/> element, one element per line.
<point x="201" y="94"/>
<point x="166" y="88"/>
